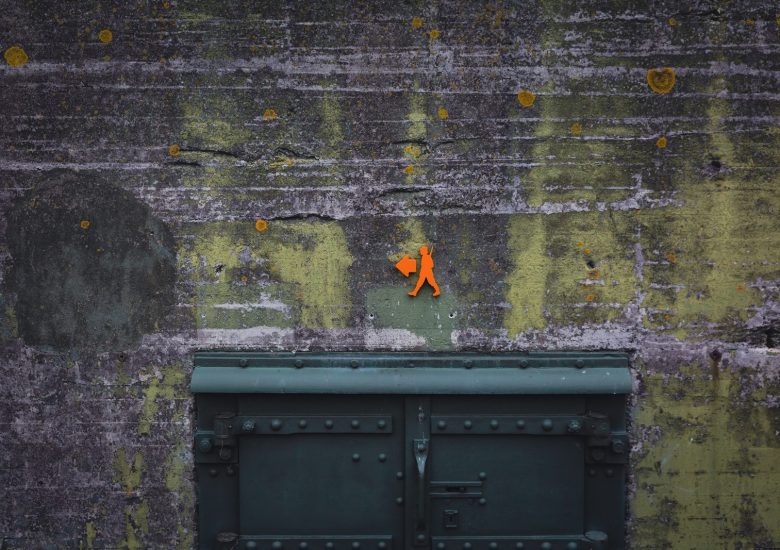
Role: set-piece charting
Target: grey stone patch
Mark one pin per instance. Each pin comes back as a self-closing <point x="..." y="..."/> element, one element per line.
<point x="99" y="287"/>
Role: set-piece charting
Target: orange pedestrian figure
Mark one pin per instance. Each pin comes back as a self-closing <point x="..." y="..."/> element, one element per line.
<point x="426" y="272"/>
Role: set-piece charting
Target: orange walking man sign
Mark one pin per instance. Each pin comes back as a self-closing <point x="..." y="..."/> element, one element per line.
<point x="407" y="265"/>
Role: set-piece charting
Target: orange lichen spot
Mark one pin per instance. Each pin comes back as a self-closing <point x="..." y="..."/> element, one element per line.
<point x="594" y="274"/>
<point x="409" y="169"/>
<point x="587" y="251"/>
<point x="741" y="287"/>
<point x="668" y="317"/>
<point x="413" y="151"/>
<point x="443" y="113"/>
<point x="662" y="80"/>
<point x="15" y="56"/>
<point x="661" y="142"/>
<point x="526" y="98"/>
<point x="269" y="114"/>
<point x="434" y="34"/>
<point x="576" y="129"/>
<point x="167" y="5"/>
<point x="106" y="36"/>
<point x="417" y="22"/>
<point x="174" y="150"/>
<point x="84" y="224"/>
<point x="261" y="225"/>
<point x="750" y="22"/>
<point x="244" y="279"/>
<point x="590" y="298"/>
<point x="580" y="244"/>
<point x="671" y="257"/>
<point x="672" y="22"/>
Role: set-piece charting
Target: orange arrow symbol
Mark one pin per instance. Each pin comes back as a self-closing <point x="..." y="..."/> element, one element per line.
<point x="406" y="265"/>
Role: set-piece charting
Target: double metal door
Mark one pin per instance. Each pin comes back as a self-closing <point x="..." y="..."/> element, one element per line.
<point x="411" y="472"/>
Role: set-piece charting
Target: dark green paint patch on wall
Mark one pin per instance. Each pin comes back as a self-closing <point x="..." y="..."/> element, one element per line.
<point x="91" y="266"/>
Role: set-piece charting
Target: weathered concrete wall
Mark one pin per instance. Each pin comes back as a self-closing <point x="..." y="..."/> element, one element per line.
<point x="571" y="207"/>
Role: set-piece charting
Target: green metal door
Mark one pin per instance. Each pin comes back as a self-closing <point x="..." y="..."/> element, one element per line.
<point x="319" y="471"/>
<point x="364" y="451"/>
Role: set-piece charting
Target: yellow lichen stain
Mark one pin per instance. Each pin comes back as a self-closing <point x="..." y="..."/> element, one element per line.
<point x="314" y="258"/>
<point x="307" y="264"/>
<point x="166" y="5"/>
<point x="741" y="287"/>
<point x="84" y="224"/>
<point x="409" y="170"/>
<point x="434" y="34"/>
<point x="707" y="459"/>
<point x="174" y="150"/>
<point x="443" y="113"/>
<point x="261" y="225"/>
<point x="672" y="22"/>
<point x="662" y="80"/>
<point x="661" y="142"/>
<point x="576" y="129"/>
<point x="412" y="238"/>
<point x="417" y="22"/>
<point x="580" y="244"/>
<point x="526" y="282"/>
<point x="106" y="36"/>
<point x="270" y="114"/>
<point x="163" y="385"/>
<point x="413" y="151"/>
<point x="724" y="239"/>
<point x="330" y="129"/>
<point x="15" y="56"/>
<point x="176" y="469"/>
<point x="136" y="519"/>
<point x="546" y="286"/>
<point x="128" y="474"/>
<point x="215" y="121"/>
<point x="750" y="22"/>
<point x="90" y="534"/>
<point x="526" y="98"/>
<point x="671" y="257"/>
<point x="590" y="297"/>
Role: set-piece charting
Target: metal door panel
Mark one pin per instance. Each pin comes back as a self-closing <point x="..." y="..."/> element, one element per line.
<point x="528" y="484"/>
<point x="320" y="483"/>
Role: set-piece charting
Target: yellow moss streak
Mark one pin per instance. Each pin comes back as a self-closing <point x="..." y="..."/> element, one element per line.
<point x="90" y="534"/>
<point x="527" y="281"/>
<point x="316" y="263"/>
<point x="307" y="263"/>
<point x="709" y="464"/>
<point x="214" y="123"/>
<point x="717" y="244"/>
<point x="128" y="474"/>
<point x="330" y="129"/>
<point x="177" y="468"/>
<point x="417" y="131"/>
<point x="163" y="385"/>
<point x="578" y="169"/>
<point x="136" y="520"/>
<point x="569" y="269"/>
<point x="412" y="238"/>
